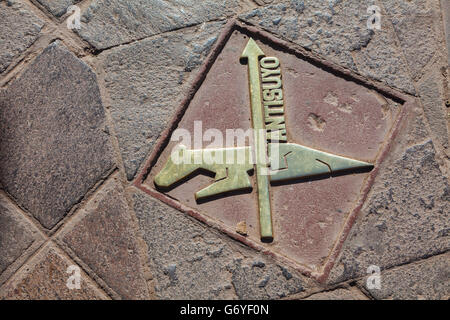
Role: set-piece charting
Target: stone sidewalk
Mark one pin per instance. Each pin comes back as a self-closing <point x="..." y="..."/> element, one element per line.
<point x="82" y="110"/>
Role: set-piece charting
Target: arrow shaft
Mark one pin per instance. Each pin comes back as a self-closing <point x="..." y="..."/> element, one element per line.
<point x="262" y="178"/>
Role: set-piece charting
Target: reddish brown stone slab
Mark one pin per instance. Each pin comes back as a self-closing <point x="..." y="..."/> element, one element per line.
<point x="103" y="237"/>
<point x="326" y="108"/>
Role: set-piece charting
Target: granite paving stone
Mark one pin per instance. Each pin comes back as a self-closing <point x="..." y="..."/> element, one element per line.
<point x="16" y="234"/>
<point x="424" y="280"/>
<point x="45" y="278"/>
<point x="103" y="237"/>
<point x="416" y="24"/>
<point x="20" y="29"/>
<point x="405" y="218"/>
<point x="338" y="31"/>
<point x="445" y="7"/>
<point x="57" y="7"/>
<point x="54" y="143"/>
<point x="146" y="82"/>
<point x="430" y="91"/>
<point x="338" y="294"/>
<point x="191" y="262"/>
<point x="113" y="22"/>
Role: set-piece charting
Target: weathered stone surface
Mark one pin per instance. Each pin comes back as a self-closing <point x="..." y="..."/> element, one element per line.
<point x="146" y="82"/>
<point x="103" y="237"/>
<point x="54" y="145"/>
<point x="265" y="2"/>
<point x="338" y="294"/>
<point x="338" y="31"/>
<point x="20" y="28"/>
<point x="414" y="24"/>
<point x="382" y="60"/>
<point x="45" y="278"/>
<point x="445" y="8"/>
<point x="57" y="7"/>
<point x="425" y="280"/>
<point x="16" y="234"/>
<point x="190" y="261"/>
<point x="434" y="106"/>
<point x="113" y="22"/>
<point x="405" y="218"/>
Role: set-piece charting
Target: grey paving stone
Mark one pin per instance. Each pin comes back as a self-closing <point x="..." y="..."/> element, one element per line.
<point x="338" y="31"/>
<point x="113" y="22"/>
<point x="54" y="145"/>
<point x="16" y="234"/>
<point x="20" y="29"/>
<point x="338" y="294"/>
<point x="57" y="7"/>
<point x="434" y="105"/>
<point x="103" y="237"/>
<point x="445" y="7"/>
<point x="382" y="60"/>
<point x="414" y="24"/>
<point x="146" y="82"/>
<point x="425" y="280"/>
<point x="191" y="261"/>
<point x="405" y="218"/>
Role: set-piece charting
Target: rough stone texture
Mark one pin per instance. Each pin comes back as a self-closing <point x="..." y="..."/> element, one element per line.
<point x="54" y="146"/>
<point x="414" y="24"/>
<point x="338" y="31"/>
<point x="57" y="7"/>
<point x="425" y="280"/>
<point x="146" y="82"/>
<point x="405" y="218"/>
<point x="103" y="237"/>
<point x="113" y="22"/>
<point x="382" y="60"/>
<point x="16" y="234"/>
<point x="190" y="261"/>
<point x="445" y="8"/>
<point x="45" y="278"/>
<point x="338" y="294"/>
<point x="434" y="106"/>
<point x="20" y="28"/>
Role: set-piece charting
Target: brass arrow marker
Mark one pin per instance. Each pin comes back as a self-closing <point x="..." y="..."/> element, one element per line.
<point x="252" y="53"/>
<point x="288" y="161"/>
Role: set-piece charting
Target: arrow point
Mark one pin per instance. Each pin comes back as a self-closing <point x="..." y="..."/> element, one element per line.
<point x="252" y="50"/>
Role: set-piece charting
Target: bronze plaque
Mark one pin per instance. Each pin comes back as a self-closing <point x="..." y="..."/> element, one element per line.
<point x="292" y="185"/>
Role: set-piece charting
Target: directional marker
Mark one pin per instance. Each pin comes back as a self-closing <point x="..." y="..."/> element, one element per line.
<point x="288" y="161"/>
<point x="252" y="53"/>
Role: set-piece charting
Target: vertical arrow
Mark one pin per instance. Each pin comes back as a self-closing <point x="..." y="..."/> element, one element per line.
<point x="252" y="53"/>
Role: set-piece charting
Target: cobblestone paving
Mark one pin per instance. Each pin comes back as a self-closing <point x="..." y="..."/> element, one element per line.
<point x="81" y="110"/>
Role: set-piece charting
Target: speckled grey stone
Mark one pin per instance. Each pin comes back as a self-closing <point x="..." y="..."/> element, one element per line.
<point x="19" y="30"/>
<point x="16" y="234"/>
<point x="423" y="280"/>
<point x="434" y="105"/>
<point x="338" y="31"/>
<point x="417" y="26"/>
<point x="113" y="22"/>
<point x="147" y="81"/>
<point x="54" y="145"/>
<point x="339" y="294"/>
<point x="191" y="261"/>
<point x="445" y="6"/>
<point x="57" y="7"/>
<point x="406" y="217"/>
